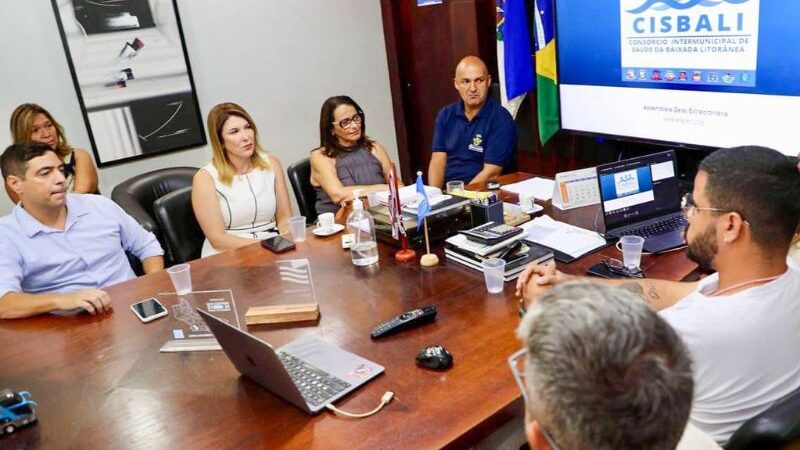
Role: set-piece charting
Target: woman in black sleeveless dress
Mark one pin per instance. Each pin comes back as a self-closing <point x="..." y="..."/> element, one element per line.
<point x="32" y="123"/>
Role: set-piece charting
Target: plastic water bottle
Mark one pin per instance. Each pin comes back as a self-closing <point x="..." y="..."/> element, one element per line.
<point x="361" y="225"/>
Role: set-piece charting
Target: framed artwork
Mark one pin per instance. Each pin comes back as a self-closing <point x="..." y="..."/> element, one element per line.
<point x="132" y="76"/>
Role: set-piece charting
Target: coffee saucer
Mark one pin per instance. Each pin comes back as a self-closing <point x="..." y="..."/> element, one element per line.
<point x="328" y="231"/>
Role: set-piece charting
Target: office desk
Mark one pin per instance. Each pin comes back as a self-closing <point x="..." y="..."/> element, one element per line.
<point x="669" y="266"/>
<point x="101" y="383"/>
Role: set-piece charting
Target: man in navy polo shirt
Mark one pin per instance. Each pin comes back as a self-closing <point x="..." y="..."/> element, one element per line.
<point x="475" y="137"/>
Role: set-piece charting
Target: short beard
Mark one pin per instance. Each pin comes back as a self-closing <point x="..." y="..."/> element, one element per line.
<point x="703" y="248"/>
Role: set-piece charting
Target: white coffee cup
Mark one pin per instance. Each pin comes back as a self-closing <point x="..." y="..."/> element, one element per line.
<point x="325" y="221"/>
<point x="527" y="202"/>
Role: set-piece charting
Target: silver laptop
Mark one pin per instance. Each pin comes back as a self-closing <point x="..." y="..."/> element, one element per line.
<point x="308" y="373"/>
<point x="639" y="196"/>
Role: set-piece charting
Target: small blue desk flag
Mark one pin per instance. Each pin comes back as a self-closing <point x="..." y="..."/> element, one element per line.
<point x="423" y="206"/>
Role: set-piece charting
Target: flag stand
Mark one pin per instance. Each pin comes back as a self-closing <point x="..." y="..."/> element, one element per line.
<point x="428" y="259"/>
<point x="405" y="254"/>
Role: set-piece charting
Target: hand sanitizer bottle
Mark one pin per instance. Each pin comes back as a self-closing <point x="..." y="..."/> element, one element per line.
<point x="362" y="226"/>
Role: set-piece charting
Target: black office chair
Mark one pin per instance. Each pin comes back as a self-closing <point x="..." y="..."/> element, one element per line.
<point x="136" y="195"/>
<point x="774" y="429"/>
<point x="300" y="178"/>
<point x="175" y="216"/>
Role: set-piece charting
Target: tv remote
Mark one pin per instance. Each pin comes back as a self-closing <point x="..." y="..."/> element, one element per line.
<point x="404" y="321"/>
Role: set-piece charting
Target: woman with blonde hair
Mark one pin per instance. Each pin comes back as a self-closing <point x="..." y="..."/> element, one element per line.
<point x="240" y="197"/>
<point x="32" y="123"/>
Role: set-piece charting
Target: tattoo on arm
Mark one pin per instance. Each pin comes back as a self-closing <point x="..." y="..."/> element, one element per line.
<point x="652" y="293"/>
<point x="644" y="289"/>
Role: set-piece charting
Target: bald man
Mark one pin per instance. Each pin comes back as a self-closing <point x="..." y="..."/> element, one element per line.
<point x="475" y="137"/>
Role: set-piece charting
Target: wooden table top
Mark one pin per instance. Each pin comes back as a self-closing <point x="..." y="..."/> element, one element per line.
<point x="101" y="382"/>
<point x="669" y="266"/>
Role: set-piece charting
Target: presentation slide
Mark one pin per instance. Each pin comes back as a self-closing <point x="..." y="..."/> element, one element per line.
<point x="715" y="73"/>
<point x="626" y="189"/>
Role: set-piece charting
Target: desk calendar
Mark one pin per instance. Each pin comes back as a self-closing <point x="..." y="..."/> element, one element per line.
<point x="576" y="188"/>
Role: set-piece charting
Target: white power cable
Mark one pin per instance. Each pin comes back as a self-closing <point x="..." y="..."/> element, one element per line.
<point x="387" y="397"/>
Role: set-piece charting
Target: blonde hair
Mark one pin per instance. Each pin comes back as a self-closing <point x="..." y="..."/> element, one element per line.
<point x="216" y="119"/>
<point x="21" y="125"/>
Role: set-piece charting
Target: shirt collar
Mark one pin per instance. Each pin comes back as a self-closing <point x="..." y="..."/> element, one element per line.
<point x="31" y="226"/>
<point x="461" y="112"/>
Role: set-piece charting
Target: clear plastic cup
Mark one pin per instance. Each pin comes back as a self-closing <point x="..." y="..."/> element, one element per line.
<point x="181" y="277"/>
<point x="297" y="226"/>
<point x="455" y="186"/>
<point x="493" y="270"/>
<point x="631" y="251"/>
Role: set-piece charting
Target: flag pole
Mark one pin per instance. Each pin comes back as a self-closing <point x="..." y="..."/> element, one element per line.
<point x="405" y="254"/>
<point x="428" y="259"/>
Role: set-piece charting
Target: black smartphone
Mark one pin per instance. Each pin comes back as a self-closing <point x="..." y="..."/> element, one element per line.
<point x="602" y="270"/>
<point x="277" y="244"/>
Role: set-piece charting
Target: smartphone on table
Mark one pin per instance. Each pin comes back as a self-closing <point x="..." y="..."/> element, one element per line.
<point x="149" y="310"/>
<point x="277" y="244"/>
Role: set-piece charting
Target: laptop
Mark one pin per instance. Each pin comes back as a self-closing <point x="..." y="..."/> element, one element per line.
<point x="307" y="372"/>
<point x="639" y="196"/>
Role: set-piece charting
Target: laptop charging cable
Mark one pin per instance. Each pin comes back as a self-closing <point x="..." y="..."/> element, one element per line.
<point x="387" y="397"/>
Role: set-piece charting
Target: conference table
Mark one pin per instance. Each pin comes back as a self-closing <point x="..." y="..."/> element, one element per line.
<point x="101" y="382"/>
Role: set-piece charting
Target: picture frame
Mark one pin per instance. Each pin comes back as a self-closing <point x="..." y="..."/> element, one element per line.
<point x="132" y="76"/>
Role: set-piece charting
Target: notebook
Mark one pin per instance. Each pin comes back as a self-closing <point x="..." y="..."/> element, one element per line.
<point x="639" y="196"/>
<point x="307" y="372"/>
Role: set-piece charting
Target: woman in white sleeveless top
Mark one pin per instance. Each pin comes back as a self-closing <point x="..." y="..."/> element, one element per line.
<point x="240" y="197"/>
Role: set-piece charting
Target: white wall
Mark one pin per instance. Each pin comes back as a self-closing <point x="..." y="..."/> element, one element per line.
<point x="280" y="59"/>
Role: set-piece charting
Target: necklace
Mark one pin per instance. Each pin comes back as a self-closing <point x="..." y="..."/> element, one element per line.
<point x="745" y="283"/>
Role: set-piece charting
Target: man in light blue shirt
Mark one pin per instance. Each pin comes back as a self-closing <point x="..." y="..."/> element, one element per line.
<point x="58" y="249"/>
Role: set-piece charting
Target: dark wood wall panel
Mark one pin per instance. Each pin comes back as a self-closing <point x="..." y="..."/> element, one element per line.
<point x="424" y="44"/>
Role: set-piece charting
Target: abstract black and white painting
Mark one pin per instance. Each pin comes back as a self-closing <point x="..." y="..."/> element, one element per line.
<point x="132" y="75"/>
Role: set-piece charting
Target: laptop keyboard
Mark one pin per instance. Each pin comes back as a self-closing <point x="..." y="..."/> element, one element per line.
<point x="315" y="385"/>
<point x="658" y="228"/>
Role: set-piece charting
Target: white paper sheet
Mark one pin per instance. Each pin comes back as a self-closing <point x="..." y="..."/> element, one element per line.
<point x="408" y="194"/>
<point x="566" y="238"/>
<point x="540" y="188"/>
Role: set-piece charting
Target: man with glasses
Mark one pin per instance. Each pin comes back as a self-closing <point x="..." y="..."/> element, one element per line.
<point x="741" y="324"/>
<point x="601" y="370"/>
<point x="474" y="137"/>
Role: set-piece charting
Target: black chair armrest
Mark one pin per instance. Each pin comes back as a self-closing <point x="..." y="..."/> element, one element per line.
<point x="132" y="206"/>
<point x="775" y="428"/>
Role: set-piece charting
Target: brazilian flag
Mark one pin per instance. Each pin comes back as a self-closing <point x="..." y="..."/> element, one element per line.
<point x="546" y="76"/>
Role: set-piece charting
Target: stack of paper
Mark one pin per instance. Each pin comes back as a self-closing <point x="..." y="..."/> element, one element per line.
<point x="408" y="194"/>
<point x="540" y="188"/>
<point x="562" y="237"/>
<point x="438" y="204"/>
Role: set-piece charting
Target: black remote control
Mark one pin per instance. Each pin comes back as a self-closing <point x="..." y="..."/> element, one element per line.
<point x="404" y="321"/>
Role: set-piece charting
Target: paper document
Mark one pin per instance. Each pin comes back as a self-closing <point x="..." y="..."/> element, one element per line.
<point x="566" y="238"/>
<point x="540" y="188"/>
<point x="432" y="201"/>
<point x="408" y="194"/>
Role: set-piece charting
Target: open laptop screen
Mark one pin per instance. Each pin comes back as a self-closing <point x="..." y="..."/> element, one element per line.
<point x="638" y="189"/>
